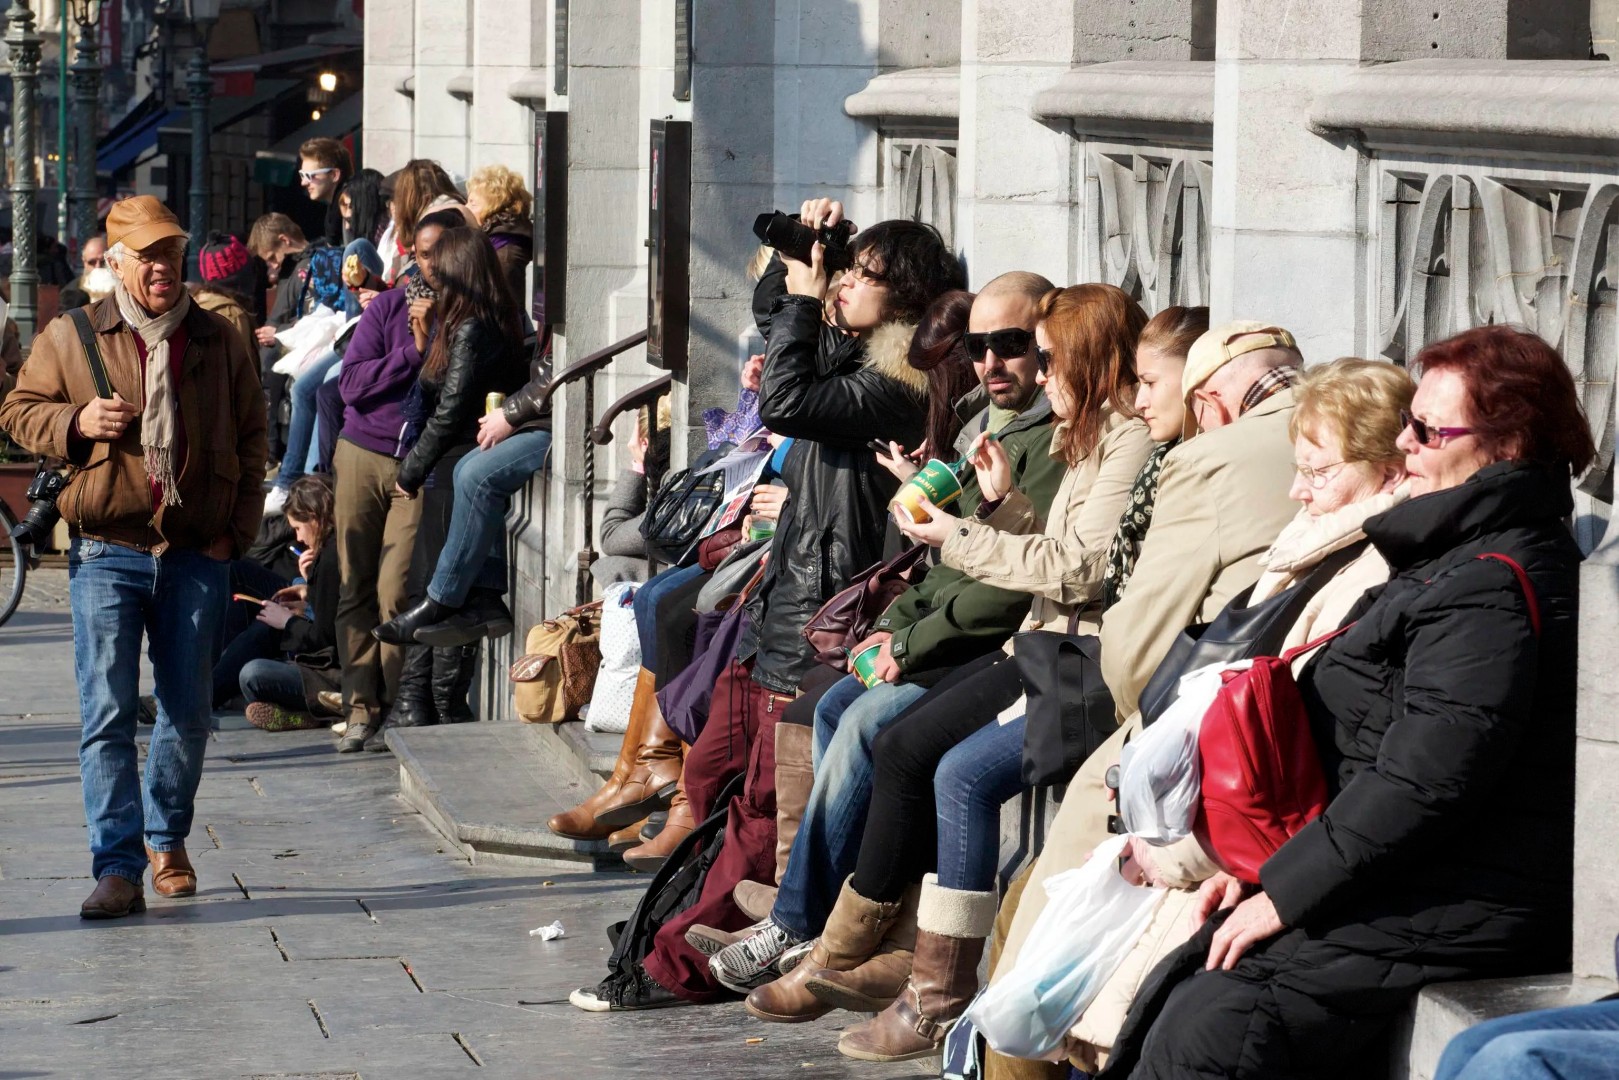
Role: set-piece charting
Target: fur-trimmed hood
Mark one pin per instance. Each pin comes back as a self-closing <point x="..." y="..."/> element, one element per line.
<point x="887" y="353"/>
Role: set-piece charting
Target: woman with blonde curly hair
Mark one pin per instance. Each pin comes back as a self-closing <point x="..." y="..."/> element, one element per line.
<point x="505" y="212"/>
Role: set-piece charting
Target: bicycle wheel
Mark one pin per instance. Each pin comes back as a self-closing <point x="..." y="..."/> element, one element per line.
<point x="13" y="566"/>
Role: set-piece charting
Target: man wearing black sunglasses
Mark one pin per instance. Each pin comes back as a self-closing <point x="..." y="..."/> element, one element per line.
<point x="1000" y="343"/>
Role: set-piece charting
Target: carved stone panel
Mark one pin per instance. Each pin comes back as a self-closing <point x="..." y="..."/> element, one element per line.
<point x="1458" y="247"/>
<point x="1147" y="222"/>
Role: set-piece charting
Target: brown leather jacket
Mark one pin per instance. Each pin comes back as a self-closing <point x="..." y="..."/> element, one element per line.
<point x="221" y="412"/>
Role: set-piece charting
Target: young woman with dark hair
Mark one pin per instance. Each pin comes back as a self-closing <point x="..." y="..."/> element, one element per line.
<point x="364" y="209"/>
<point x="474" y="353"/>
<point x="938" y="350"/>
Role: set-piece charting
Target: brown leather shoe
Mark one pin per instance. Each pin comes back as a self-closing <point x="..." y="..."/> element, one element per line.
<point x="754" y="899"/>
<point x="364" y="723"/>
<point x="651" y="784"/>
<point x="172" y="874"/>
<point x="580" y="822"/>
<point x="627" y="837"/>
<point x="113" y="898"/>
<point x="651" y="855"/>
<point x="795" y="775"/>
<point x="873" y="986"/>
<point x="854" y="931"/>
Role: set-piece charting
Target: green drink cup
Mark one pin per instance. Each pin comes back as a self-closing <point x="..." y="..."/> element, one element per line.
<point x="937" y="481"/>
<point x="864" y="665"/>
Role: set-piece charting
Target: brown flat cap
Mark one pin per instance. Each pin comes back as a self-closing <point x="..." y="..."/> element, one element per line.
<point x="140" y="222"/>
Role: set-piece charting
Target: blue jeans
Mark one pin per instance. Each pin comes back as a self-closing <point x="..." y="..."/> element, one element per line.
<point x="474" y="554"/>
<point x="301" y="428"/>
<point x="647" y="598"/>
<point x="847" y="721"/>
<point x="258" y="642"/>
<point x="178" y="601"/>
<point x="277" y="682"/>
<point x="973" y="780"/>
<point x="1552" y="1044"/>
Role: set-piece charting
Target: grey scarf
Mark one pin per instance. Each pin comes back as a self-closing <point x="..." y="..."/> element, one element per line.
<point x="160" y="418"/>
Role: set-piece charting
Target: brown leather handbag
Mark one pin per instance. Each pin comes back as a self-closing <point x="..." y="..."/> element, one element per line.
<point x="845" y="620"/>
<point x="554" y="677"/>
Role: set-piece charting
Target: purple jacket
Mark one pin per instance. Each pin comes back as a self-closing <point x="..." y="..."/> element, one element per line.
<point x="379" y="369"/>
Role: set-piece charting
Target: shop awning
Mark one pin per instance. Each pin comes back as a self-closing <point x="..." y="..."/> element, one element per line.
<point x="278" y="166"/>
<point x="132" y="136"/>
<point x="282" y="58"/>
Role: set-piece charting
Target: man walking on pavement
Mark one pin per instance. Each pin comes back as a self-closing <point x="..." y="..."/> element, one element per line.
<point x="165" y="490"/>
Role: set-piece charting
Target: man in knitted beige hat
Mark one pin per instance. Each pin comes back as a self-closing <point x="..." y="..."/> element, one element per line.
<point x="165" y="475"/>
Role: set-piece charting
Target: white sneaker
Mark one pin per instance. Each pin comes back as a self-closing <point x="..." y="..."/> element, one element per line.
<point x="275" y="501"/>
<point x="751" y="962"/>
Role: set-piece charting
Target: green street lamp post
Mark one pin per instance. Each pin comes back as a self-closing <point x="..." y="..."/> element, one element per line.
<point x="24" y="45"/>
<point x="200" y="83"/>
<point x="86" y="73"/>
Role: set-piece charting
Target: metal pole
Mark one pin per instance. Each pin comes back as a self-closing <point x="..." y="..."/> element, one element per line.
<point x="200" y="83"/>
<point x="86" y="98"/>
<point x="24" y="45"/>
<point x="61" y="133"/>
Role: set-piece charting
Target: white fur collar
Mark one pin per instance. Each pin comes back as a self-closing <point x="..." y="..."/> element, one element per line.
<point x="887" y="350"/>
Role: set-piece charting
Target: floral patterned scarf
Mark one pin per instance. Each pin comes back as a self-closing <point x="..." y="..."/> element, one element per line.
<point x="1126" y="545"/>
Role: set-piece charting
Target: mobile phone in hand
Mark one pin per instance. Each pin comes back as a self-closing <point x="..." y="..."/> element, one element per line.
<point x="882" y="448"/>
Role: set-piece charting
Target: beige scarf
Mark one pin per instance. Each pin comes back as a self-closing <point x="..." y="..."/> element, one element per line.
<point x="160" y="415"/>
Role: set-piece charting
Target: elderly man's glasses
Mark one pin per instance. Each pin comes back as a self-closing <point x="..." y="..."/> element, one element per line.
<point x="1427" y="434"/>
<point x="310" y="175"/>
<point x="95" y="262"/>
<point x="1008" y="344"/>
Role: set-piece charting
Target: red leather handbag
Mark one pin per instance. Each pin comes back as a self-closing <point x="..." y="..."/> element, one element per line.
<point x="1262" y="778"/>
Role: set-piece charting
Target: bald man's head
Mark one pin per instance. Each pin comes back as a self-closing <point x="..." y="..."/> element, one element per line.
<point x="1018" y="283"/>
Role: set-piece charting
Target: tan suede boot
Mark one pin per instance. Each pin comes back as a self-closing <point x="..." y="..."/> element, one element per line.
<point x="754" y="899"/>
<point x="795" y="775"/>
<point x="580" y="822"/>
<point x="854" y="931"/>
<point x="873" y="986"/>
<point x="951" y="927"/>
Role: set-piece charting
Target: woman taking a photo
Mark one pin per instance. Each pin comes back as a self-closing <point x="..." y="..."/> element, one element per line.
<point x="1453" y="689"/>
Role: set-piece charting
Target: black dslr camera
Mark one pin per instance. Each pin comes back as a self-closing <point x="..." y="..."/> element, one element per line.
<point x="792" y="238"/>
<point x="36" y="527"/>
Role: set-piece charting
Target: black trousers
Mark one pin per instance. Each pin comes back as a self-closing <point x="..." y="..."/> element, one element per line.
<point x="900" y="843"/>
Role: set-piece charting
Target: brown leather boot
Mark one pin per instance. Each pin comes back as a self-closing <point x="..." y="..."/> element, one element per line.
<point x="651" y="784"/>
<point x="113" y="898"/>
<point x="580" y="822"/>
<point x="754" y="899"/>
<point x="652" y="854"/>
<point x="172" y="874"/>
<point x="951" y="927"/>
<point x="873" y="986"/>
<point x="795" y="775"/>
<point x="626" y="838"/>
<point x="854" y="931"/>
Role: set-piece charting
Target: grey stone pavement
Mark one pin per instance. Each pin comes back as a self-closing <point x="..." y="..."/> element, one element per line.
<point x="333" y="935"/>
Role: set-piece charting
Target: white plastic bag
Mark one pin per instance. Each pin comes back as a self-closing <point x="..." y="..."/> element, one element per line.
<point x="1092" y="920"/>
<point x="614" y="692"/>
<point x="1160" y="782"/>
<point x="307" y="339"/>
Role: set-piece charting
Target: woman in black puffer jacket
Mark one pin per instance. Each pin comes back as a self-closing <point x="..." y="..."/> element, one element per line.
<point x="1445" y="723"/>
<point x="475" y="351"/>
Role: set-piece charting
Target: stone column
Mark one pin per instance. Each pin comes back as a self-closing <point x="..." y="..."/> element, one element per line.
<point x="508" y="41"/>
<point x="390" y="57"/>
<point x="443" y="50"/>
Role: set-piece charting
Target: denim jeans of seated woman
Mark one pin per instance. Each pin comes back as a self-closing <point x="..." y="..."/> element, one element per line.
<point x="176" y="601"/>
<point x="276" y="682"/>
<point x="973" y="781"/>
<point x="1551" y="1044"/>
<point x="645" y="605"/>
<point x="847" y="722"/>
<point x="301" y="428"/>
<point x="474" y="554"/>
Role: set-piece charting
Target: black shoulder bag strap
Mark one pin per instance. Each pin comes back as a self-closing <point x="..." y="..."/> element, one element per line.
<point x="92" y="351"/>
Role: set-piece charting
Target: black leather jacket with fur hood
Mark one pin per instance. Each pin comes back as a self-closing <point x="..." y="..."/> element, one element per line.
<point x="831" y="393"/>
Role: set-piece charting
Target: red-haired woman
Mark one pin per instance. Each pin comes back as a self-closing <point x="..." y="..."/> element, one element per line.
<point x="1445" y="721"/>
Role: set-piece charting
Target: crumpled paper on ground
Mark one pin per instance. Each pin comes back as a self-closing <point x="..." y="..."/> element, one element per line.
<point x="548" y="933"/>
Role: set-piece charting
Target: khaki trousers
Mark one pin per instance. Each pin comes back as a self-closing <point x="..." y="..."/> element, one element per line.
<point x="376" y="533"/>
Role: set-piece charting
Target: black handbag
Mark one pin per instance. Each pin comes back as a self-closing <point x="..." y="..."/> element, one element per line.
<point x="1239" y="632"/>
<point x="674" y="522"/>
<point x="1069" y="710"/>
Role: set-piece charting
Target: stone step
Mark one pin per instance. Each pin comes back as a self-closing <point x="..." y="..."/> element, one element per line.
<point x="597" y="750"/>
<point x="1444" y="1010"/>
<point x="490" y="787"/>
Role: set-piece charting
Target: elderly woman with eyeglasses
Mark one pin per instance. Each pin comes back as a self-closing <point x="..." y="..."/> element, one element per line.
<point x="1444" y="717"/>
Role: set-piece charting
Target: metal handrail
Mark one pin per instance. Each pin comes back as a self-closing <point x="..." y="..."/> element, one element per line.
<point x="590" y="365"/>
<point x="643" y="395"/>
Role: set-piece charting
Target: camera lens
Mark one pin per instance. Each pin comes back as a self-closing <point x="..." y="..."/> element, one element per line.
<point x="37" y="525"/>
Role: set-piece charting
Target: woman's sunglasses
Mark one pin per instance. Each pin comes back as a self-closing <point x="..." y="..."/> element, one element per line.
<point x="1008" y="344"/>
<point x="1042" y="357"/>
<point x="1427" y="435"/>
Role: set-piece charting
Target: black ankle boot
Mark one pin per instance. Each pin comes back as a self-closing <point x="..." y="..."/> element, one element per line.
<point x="401" y="629"/>
<point x="453" y="672"/>
<point x="485" y="614"/>
<point x="413" y="703"/>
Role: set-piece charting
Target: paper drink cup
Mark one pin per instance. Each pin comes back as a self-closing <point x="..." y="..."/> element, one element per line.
<point x="864" y="664"/>
<point x="934" y="481"/>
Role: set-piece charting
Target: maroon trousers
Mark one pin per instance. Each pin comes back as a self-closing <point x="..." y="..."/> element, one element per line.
<point x="740" y="738"/>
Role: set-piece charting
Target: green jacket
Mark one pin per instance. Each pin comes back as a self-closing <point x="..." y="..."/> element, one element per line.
<point x="949" y="617"/>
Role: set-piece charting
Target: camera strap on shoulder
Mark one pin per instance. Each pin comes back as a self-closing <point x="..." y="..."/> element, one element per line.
<point x="92" y="351"/>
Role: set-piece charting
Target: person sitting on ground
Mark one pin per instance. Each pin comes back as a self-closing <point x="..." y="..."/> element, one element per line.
<point x="1086" y="337"/>
<point x="1222" y="501"/>
<point x="300" y="623"/>
<point x="505" y="212"/>
<point x="941" y="626"/>
<point x="474" y="353"/>
<point x="1451" y="685"/>
<point x="227" y="278"/>
<point x="831" y="389"/>
<point x="623" y="548"/>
